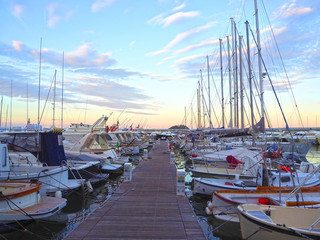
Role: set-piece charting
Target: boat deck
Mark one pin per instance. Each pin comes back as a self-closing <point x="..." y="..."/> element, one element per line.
<point x="145" y="208"/>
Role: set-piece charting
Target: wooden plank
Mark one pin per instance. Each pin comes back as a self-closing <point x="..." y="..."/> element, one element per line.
<point x="145" y="208"/>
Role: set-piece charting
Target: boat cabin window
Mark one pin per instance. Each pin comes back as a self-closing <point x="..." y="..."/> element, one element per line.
<point x="4" y="157"/>
<point x="108" y="137"/>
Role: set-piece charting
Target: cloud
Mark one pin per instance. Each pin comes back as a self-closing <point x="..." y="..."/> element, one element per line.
<point x="201" y="44"/>
<point x="100" y="4"/>
<point x="83" y="60"/>
<point x="181" y="6"/>
<point x="18" y="10"/>
<point x="290" y="9"/>
<point x="85" y="56"/>
<point x="182" y="36"/>
<point x="53" y="19"/>
<point x="132" y="43"/>
<point x="56" y="13"/>
<point x="17" y="45"/>
<point x="174" y="18"/>
<point x="155" y="53"/>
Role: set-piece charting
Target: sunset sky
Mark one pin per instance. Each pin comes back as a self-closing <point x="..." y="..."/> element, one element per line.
<point x="140" y="60"/>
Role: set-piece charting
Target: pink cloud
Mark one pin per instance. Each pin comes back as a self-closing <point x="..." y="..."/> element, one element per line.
<point x="17" y="45"/>
<point x="290" y="9"/>
<point x="176" y="17"/>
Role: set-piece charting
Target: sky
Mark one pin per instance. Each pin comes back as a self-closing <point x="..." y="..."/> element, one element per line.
<point x="140" y="62"/>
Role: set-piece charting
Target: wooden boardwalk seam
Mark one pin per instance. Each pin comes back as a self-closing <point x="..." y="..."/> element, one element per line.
<point x="145" y="208"/>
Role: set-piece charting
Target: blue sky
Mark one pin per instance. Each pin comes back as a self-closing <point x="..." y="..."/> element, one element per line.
<point x="143" y="58"/>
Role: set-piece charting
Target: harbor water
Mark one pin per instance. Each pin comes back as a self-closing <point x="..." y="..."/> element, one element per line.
<point x="81" y="204"/>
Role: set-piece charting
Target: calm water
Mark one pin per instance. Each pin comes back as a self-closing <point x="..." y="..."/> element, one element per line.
<point x="80" y="206"/>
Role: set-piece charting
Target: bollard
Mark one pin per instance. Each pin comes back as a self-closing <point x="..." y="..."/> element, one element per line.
<point x="172" y="160"/>
<point x="127" y="174"/>
<point x="180" y="182"/>
<point x="145" y="153"/>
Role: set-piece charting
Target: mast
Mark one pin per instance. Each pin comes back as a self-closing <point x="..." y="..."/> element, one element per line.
<point x="221" y="73"/>
<point x="241" y="83"/>
<point x="236" y="103"/>
<point x="39" y="87"/>
<point x="209" y="113"/>
<point x="11" y="105"/>
<point x="185" y="115"/>
<point x="7" y="116"/>
<point x="1" y="110"/>
<point x="233" y="71"/>
<point x="230" y="82"/>
<point x="62" y="79"/>
<point x="204" y="118"/>
<point x="27" y="101"/>
<point x="54" y="99"/>
<point x="259" y="63"/>
<point x="250" y="76"/>
<point x="199" y="107"/>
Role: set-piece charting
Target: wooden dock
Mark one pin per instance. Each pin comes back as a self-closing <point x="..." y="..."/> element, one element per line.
<point x="145" y="208"/>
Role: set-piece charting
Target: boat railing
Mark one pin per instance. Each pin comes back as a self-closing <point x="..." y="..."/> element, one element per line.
<point x="71" y="168"/>
<point x="314" y="224"/>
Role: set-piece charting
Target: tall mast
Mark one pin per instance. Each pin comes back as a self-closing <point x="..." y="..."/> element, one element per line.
<point x="259" y="62"/>
<point x="233" y="71"/>
<point x="11" y="104"/>
<point x="1" y="110"/>
<point x="210" y="123"/>
<point x="54" y="99"/>
<point x="230" y="82"/>
<point x="39" y="87"/>
<point x="236" y="104"/>
<point x="62" y="79"/>
<point x="27" y="101"/>
<point x="221" y="73"/>
<point x="199" y="107"/>
<point x="241" y="83"/>
<point x="203" y="105"/>
<point x="250" y="76"/>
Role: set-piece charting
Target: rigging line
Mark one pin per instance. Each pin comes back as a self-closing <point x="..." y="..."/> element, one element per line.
<point x="46" y="99"/>
<point x="18" y="208"/>
<point x="217" y="95"/>
<point x="283" y="66"/>
<point x="265" y="68"/>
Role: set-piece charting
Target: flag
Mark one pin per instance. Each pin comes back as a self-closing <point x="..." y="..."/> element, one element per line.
<point x="117" y="146"/>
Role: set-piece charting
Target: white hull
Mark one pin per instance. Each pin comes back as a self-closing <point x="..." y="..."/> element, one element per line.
<point x="207" y="186"/>
<point x="269" y="222"/>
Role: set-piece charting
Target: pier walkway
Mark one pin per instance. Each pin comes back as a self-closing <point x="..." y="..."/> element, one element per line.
<point x="145" y="208"/>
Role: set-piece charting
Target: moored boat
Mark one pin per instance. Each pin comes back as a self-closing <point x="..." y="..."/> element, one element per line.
<point x="277" y="222"/>
<point x="21" y="201"/>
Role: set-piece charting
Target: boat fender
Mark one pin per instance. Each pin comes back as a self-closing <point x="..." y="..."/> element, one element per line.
<point x="210" y="205"/>
<point x="89" y="186"/>
<point x="208" y="211"/>
<point x="58" y="194"/>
